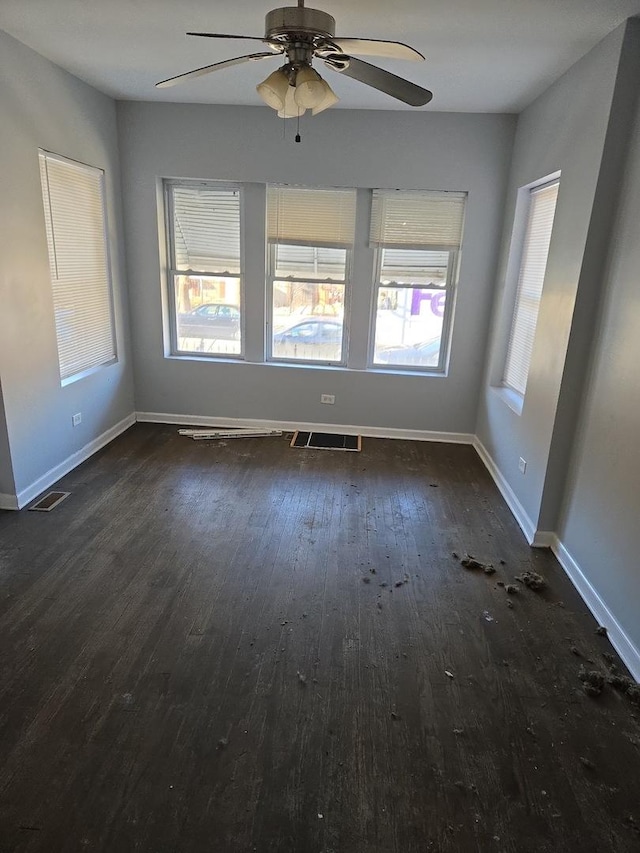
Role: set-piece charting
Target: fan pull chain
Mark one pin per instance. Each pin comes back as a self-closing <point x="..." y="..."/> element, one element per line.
<point x="298" y="137"/>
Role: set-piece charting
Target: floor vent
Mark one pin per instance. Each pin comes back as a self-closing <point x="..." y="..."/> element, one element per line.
<point x="326" y="441"/>
<point x="49" y="501"/>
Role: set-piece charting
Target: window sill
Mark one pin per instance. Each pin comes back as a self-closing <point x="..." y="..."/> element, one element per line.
<point x="288" y="365"/>
<point x="510" y="398"/>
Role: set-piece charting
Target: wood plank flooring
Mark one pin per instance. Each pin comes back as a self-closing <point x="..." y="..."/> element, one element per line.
<point x="220" y="647"/>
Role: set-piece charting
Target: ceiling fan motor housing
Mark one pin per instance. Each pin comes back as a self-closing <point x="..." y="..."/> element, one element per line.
<point x="282" y="24"/>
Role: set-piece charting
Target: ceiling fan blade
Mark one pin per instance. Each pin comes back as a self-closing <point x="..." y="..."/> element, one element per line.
<point x="382" y="80"/>
<point x="207" y="69"/>
<point x="224" y="36"/>
<point x="378" y="47"/>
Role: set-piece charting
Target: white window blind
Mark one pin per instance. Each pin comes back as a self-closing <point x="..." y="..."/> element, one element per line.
<point x="301" y="216"/>
<point x="206" y="228"/>
<point x="535" y="250"/>
<point x="74" y="209"/>
<point x="414" y="219"/>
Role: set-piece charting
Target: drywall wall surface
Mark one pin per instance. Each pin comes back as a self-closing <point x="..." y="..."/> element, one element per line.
<point x="44" y="107"/>
<point x="599" y="520"/>
<point x="591" y="289"/>
<point x="361" y="149"/>
<point x="563" y="130"/>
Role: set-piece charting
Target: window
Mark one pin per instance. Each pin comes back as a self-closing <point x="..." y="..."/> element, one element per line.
<point x="541" y="203"/>
<point x="205" y="267"/>
<point x="75" y="221"/>
<point x="417" y="236"/>
<point x="310" y="235"/>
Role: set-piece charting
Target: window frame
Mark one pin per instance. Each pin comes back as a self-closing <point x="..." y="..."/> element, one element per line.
<point x="44" y="156"/>
<point x="172" y="272"/>
<point x="522" y="218"/>
<point x="417" y="220"/>
<point x="449" y="289"/>
<point x="271" y="278"/>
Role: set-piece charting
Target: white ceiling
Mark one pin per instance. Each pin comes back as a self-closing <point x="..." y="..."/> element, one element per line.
<point x="481" y="55"/>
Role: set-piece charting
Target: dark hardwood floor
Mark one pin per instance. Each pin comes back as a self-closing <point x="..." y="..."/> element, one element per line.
<point x="219" y="647"/>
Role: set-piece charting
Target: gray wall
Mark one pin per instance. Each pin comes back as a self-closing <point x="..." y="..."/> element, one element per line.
<point x="339" y="148"/>
<point x="42" y="106"/>
<point x="7" y="483"/>
<point x="599" y="523"/>
<point x="565" y="129"/>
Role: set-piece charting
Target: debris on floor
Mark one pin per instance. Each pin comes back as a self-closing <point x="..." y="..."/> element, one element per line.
<point x="592" y="680"/>
<point x="532" y="579"/>
<point x="601" y="631"/>
<point x="223" y="743"/>
<point x="622" y="683"/>
<point x="470" y="562"/>
<point x="511" y="589"/>
<point x="488" y="617"/>
<point x="449" y="674"/>
<point x="366" y="579"/>
<point x="587" y="763"/>
<point x="301" y="677"/>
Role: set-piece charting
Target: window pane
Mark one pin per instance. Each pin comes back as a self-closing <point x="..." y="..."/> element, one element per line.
<point x="307" y="321"/>
<point x="310" y="262"/>
<point x="404" y="266"/>
<point x="208" y="314"/>
<point x="73" y="196"/>
<point x="206" y="229"/>
<point x="409" y="323"/>
<point x="533" y="266"/>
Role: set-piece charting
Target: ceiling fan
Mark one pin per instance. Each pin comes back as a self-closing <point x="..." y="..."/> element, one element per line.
<point x="301" y="35"/>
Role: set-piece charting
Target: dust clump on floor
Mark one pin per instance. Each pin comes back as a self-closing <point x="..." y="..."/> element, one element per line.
<point x="592" y="680"/>
<point x="532" y="580"/>
<point x="470" y="562"/>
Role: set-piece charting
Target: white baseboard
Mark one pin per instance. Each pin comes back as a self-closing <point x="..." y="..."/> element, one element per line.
<point x="54" y="474"/>
<point x="519" y="513"/>
<point x="8" y="502"/>
<point x="291" y="426"/>
<point x="619" y="640"/>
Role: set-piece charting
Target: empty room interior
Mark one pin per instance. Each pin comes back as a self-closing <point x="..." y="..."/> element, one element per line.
<point x="319" y="346"/>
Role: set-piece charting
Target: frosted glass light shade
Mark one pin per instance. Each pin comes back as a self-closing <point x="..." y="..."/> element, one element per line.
<point x="273" y="90"/>
<point x="311" y="89"/>
<point x="291" y="109"/>
<point x="330" y="98"/>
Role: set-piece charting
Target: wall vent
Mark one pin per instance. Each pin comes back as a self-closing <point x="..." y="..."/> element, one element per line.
<point x="326" y="441"/>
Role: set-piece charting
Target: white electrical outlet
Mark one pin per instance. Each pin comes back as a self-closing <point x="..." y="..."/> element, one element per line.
<point x="76" y="420"/>
<point x="328" y="398"/>
<point x="522" y="465"/>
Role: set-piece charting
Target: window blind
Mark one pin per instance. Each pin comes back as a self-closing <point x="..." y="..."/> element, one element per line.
<point x="206" y="228"/>
<point x="74" y="208"/>
<point x="414" y="219"/>
<point x="302" y="216"/>
<point x="542" y="206"/>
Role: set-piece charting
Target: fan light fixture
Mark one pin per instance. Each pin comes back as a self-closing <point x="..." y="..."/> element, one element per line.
<point x="292" y="92"/>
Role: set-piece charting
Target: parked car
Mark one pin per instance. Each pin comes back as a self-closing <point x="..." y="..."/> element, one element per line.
<point x="211" y="320"/>
<point x="424" y="354"/>
<point x="313" y="339"/>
